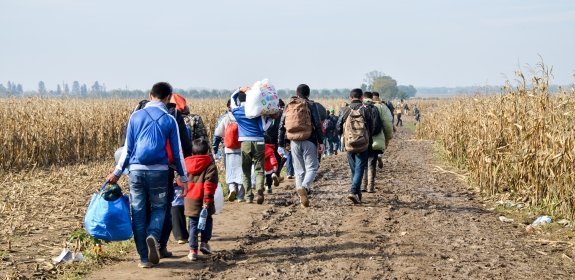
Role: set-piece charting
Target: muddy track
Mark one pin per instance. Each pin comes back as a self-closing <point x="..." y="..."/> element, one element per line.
<point x="422" y="223"/>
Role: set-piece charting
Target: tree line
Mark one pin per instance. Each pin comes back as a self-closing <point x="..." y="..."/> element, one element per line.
<point x="374" y="81"/>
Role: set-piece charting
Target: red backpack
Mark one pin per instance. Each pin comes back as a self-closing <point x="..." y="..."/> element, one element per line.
<point x="231" y="136"/>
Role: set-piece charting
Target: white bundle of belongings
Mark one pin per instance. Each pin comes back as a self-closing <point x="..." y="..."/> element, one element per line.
<point x="261" y="99"/>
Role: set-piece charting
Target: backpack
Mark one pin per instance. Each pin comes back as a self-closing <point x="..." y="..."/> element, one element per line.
<point x="298" y="123"/>
<point x="231" y="135"/>
<point x="328" y="124"/>
<point x="355" y="132"/>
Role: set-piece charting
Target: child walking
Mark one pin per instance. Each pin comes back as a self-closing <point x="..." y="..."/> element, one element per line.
<point x="270" y="165"/>
<point x="203" y="175"/>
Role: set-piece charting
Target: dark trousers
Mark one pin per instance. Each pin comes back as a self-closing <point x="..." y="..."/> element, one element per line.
<point x="357" y="163"/>
<point x="269" y="181"/>
<point x="399" y="121"/>
<point x="167" y="227"/>
<point x="179" y="227"/>
<point x="194" y="231"/>
<point x="289" y="165"/>
<point x="281" y="162"/>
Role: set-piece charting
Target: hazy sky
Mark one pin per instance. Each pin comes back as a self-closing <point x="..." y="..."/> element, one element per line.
<point x="324" y="43"/>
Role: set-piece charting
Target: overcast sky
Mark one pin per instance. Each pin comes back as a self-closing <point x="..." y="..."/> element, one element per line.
<point x="324" y="43"/>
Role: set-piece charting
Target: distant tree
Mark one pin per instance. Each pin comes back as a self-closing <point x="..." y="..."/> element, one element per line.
<point x="76" y="88"/>
<point x="84" y="90"/>
<point x="41" y="87"/>
<point x="96" y="88"/>
<point x="3" y="90"/>
<point x="384" y="84"/>
<point x="406" y="91"/>
<point x="10" y="89"/>
<point x="58" y="90"/>
<point x="19" y="89"/>
<point x="66" y="89"/>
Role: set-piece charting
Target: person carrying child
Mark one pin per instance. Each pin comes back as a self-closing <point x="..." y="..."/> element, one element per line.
<point x="203" y="181"/>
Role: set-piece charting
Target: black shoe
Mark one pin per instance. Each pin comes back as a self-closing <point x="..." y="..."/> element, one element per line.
<point x="269" y="190"/>
<point x="205" y="248"/>
<point x="354" y="198"/>
<point x="363" y="190"/>
<point x="276" y="180"/>
<point x="379" y="163"/>
<point x="153" y="252"/>
<point x="164" y="253"/>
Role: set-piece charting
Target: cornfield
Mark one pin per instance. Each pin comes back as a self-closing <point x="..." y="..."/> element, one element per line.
<point x="43" y="132"/>
<point x="520" y="142"/>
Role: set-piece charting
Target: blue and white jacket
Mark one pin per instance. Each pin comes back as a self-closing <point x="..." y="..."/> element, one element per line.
<point x="148" y="131"/>
<point x="249" y="129"/>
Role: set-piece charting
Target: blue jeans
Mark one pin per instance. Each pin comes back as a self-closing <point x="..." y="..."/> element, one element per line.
<point x="289" y="165"/>
<point x="148" y="194"/>
<point x="357" y="164"/>
<point x="194" y="231"/>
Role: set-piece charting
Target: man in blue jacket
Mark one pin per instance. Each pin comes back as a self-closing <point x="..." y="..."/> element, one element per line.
<point x="251" y="135"/>
<point x="149" y="130"/>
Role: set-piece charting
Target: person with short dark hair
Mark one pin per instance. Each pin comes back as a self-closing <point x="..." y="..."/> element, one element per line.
<point x="304" y="152"/>
<point x="251" y="135"/>
<point x="357" y="160"/>
<point x="146" y="156"/>
<point x="202" y="187"/>
<point x="368" y="184"/>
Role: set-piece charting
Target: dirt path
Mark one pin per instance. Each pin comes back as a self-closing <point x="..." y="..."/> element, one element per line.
<point x="423" y="223"/>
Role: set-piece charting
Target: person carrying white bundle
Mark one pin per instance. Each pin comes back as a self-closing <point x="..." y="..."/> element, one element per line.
<point x="261" y="100"/>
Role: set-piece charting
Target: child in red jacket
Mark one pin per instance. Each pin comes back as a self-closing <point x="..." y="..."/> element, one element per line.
<point x="202" y="185"/>
<point x="270" y="165"/>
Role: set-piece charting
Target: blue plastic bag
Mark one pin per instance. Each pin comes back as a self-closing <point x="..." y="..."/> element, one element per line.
<point x="108" y="220"/>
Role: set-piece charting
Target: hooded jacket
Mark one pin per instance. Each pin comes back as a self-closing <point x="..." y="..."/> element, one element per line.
<point x="203" y="175"/>
<point x="149" y="129"/>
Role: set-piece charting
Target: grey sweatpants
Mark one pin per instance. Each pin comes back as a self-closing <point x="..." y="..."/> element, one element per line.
<point x="305" y="163"/>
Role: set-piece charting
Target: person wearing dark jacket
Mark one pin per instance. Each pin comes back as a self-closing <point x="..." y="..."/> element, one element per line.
<point x="369" y="173"/>
<point x="273" y="133"/>
<point x="304" y="152"/>
<point x="177" y="108"/>
<point x="357" y="161"/>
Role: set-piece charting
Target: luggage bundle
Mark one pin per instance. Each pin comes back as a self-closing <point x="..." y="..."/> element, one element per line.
<point x="262" y="99"/>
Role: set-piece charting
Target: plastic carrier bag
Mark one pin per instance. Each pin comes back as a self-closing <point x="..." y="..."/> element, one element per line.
<point x="219" y="199"/>
<point x="108" y="220"/>
<point x="261" y="99"/>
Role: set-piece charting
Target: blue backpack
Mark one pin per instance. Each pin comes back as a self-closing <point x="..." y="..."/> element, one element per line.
<point x="108" y="220"/>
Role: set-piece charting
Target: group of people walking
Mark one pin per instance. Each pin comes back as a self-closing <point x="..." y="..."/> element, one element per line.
<point x="164" y="138"/>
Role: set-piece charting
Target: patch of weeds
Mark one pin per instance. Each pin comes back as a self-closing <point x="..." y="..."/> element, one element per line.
<point x="96" y="254"/>
<point x="410" y="125"/>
